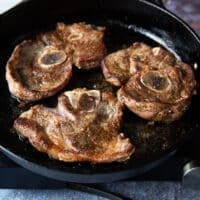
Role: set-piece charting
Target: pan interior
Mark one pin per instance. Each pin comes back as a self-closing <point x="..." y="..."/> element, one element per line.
<point x="152" y="140"/>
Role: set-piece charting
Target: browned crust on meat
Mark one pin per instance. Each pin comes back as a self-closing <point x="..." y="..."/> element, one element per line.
<point x="119" y="66"/>
<point x="154" y="111"/>
<point x="29" y="80"/>
<point x="92" y="137"/>
<point x="163" y="106"/>
<point x="21" y="72"/>
<point x="84" y="42"/>
<point x="129" y="67"/>
<point x="115" y="67"/>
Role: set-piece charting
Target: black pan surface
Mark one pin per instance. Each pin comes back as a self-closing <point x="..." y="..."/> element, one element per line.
<point x="154" y="142"/>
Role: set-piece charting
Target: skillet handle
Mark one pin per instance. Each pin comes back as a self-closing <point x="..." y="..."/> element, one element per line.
<point x="157" y="2"/>
<point x="191" y="175"/>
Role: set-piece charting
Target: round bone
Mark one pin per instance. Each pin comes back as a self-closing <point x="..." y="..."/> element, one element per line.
<point x="156" y="81"/>
<point x="50" y="57"/>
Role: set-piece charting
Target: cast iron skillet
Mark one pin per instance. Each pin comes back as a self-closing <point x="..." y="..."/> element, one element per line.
<point x="126" y="21"/>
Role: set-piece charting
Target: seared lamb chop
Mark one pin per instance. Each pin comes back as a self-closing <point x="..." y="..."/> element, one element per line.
<point x="84" y="42"/>
<point x="84" y="127"/>
<point x="38" y="68"/>
<point x="158" y="87"/>
<point x="159" y="94"/>
<point x="41" y="67"/>
<point x="119" y="66"/>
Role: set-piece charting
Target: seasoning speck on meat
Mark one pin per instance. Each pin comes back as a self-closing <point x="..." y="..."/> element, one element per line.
<point x="161" y="87"/>
<point x="85" y="126"/>
<point x="40" y="67"/>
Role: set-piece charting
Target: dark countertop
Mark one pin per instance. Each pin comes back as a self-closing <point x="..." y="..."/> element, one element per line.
<point x="189" y="10"/>
<point x="130" y="189"/>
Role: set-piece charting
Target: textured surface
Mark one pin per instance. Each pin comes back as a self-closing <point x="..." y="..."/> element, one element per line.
<point x="45" y="195"/>
<point x="189" y="11"/>
<point x="130" y="190"/>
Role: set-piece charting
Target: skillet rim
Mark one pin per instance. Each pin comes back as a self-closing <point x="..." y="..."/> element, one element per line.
<point x="98" y="177"/>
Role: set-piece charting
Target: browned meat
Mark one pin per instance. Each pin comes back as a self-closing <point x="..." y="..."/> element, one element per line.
<point x="38" y="68"/>
<point x="157" y="87"/>
<point x="119" y="66"/>
<point x="84" y="127"/>
<point x="41" y="67"/>
<point x="84" y="42"/>
<point x="159" y="94"/>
